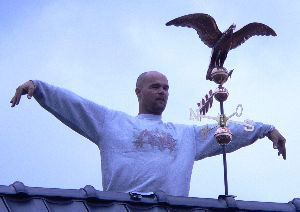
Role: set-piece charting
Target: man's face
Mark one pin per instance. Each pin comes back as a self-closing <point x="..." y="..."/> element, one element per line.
<point x="153" y="94"/>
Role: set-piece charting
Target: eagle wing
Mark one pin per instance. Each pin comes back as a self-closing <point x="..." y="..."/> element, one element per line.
<point x="248" y="31"/>
<point x="204" y="24"/>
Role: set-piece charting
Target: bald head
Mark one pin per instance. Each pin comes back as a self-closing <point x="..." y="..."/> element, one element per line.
<point x="141" y="79"/>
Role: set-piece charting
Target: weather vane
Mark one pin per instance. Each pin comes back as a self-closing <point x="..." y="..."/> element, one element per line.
<point x="221" y="44"/>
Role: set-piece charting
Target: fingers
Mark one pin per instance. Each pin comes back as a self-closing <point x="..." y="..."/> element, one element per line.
<point x="17" y="97"/>
<point x="275" y="146"/>
<point x="12" y="101"/>
<point x="280" y="146"/>
<point x="282" y="149"/>
<point x="26" y="88"/>
<point x="278" y="142"/>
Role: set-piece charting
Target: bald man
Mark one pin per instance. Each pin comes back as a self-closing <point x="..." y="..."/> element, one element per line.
<point x="142" y="153"/>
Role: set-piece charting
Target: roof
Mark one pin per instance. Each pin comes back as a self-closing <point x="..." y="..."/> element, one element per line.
<point x="20" y="198"/>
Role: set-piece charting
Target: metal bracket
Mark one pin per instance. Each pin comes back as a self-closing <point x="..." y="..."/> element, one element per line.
<point x="134" y="195"/>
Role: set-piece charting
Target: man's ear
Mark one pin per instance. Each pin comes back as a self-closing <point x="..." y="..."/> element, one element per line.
<point x="137" y="92"/>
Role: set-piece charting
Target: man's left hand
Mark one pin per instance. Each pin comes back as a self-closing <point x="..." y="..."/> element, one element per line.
<point x="278" y="142"/>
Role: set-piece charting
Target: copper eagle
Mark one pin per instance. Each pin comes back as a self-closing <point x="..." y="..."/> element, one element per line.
<point x="220" y="42"/>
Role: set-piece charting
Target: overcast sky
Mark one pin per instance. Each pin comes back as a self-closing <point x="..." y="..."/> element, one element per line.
<point x="98" y="48"/>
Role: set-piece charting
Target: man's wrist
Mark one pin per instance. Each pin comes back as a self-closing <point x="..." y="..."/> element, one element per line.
<point x="35" y="89"/>
<point x="270" y="130"/>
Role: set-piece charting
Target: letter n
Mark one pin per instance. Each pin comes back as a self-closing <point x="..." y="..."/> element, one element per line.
<point x="194" y="116"/>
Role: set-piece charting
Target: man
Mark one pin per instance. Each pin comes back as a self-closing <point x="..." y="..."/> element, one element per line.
<point x="142" y="153"/>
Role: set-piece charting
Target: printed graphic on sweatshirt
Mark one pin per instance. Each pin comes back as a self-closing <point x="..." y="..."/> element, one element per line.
<point x="206" y="130"/>
<point x="155" y="139"/>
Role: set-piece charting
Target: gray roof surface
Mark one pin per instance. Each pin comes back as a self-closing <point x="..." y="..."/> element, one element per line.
<point x="20" y="198"/>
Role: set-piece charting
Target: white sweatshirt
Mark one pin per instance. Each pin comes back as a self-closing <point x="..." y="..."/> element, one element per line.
<point x="141" y="153"/>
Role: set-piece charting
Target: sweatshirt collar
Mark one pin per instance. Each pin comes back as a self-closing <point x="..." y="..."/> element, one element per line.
<point x="149" y="117"/>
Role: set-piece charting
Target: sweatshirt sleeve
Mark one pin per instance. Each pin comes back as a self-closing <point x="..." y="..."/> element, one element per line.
<point x="207" y="146"/>
<point x="81" y="115"/>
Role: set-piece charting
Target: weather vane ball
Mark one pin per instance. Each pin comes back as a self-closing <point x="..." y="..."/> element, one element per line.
<point x="221" y="43"/>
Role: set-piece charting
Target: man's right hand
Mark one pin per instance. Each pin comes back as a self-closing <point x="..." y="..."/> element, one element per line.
<point x="278" y="142"/>
<point x="26" y="88"/>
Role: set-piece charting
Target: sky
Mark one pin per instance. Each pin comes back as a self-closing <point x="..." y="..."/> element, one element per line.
<point x="98" y="48"/>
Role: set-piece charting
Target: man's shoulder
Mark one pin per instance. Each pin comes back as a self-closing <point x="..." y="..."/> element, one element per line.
<point x="118" y="114"/>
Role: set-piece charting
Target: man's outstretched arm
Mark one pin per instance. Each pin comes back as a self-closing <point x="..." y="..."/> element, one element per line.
<point x="207" y="145"/>
<point x="82" y="115"/>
